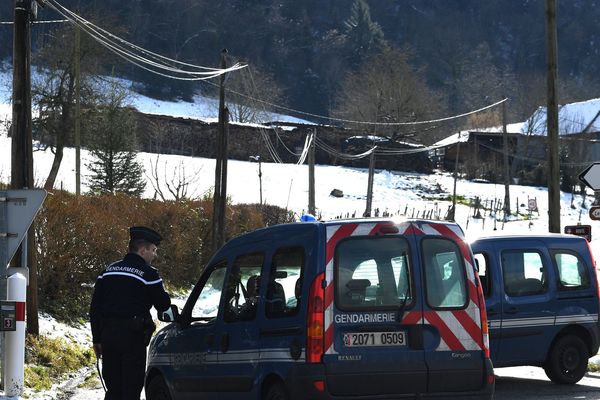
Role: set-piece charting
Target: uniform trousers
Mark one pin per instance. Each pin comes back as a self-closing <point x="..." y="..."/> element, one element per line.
<point x="123" y="359"/>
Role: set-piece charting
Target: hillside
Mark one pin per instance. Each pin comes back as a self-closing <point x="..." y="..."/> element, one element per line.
<point x="470" y="51"/>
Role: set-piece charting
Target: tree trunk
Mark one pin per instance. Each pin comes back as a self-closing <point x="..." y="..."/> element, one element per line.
<point x="49" y="185"/>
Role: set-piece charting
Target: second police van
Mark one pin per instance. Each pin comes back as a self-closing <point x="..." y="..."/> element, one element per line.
<point x="542" y="300"/>
<point x="330" y="310"/>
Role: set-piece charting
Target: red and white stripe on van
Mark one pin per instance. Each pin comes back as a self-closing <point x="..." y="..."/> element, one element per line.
<point x="460" y="330"/>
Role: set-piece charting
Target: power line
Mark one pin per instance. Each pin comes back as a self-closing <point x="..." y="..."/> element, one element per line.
<point x="55" y="21"/>
<point x="158" y="62"/>
<point x="444" y="119"/>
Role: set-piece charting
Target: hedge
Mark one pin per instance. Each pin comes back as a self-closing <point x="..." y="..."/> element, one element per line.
<point x="76" y="237"/>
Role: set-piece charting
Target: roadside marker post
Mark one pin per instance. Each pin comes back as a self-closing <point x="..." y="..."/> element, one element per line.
<point x="18" y="208"/>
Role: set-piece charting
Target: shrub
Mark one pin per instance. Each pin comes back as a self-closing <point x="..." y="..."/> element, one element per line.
<point x="78" y="236"/>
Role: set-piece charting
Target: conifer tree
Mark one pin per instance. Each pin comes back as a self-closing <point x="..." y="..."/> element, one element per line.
<point x="364" y="36"/>
<point x="113" y="165"/>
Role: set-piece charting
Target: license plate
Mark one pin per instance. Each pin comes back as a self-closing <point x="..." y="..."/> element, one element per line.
<point x="363" y="339"/>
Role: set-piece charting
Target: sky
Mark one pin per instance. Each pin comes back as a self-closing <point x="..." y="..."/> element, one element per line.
<point x="286" y="185"/>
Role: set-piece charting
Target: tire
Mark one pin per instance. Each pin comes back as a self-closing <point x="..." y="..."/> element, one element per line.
<point x="567" y="361"/>
<point x="276" y="392"/>
<point x="157" y="389"/>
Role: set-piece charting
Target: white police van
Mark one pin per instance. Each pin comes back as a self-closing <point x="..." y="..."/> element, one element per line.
<point x="349" y="309"/>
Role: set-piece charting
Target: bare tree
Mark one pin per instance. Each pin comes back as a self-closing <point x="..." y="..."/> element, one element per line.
<point x="54" y="91"/>
<point x="389" y="89"/>
<point x="178" y="185"/>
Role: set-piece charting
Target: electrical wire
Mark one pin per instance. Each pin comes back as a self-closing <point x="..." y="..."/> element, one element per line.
<point x="432" y="121"/>
<point x="107" y="39"/>
<point x="55" y="21"/>
<point x="137" y="60"/>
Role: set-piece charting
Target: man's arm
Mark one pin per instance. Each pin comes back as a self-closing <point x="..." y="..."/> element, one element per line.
<point x="96" y="311"/>
<point x="160" y="298"/>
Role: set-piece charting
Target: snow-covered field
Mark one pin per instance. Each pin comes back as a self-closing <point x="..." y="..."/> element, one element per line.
<point x="286" y="185"/>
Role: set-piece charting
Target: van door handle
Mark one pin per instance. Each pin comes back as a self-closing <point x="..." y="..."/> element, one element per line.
<point x="491" y="311"/>
<point x="225" y="342"/>
<point x="512" y="310"/>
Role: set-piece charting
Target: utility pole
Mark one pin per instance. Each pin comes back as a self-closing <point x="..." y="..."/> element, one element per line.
<point x="21" y="146"/>
<point x="77" y="113"/>
<point x="452" y="212"/>
<point x="259" y="161"/>
<point x="220" y="194"/>
<point x="370" y="184"/>
<point x="311" y="175"/>
<point x="506" y="174"/>
<point x="552" y="120"/>
<point x="260" y="179"/>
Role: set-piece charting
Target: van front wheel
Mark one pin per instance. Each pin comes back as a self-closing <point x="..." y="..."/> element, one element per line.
<point x="567" y="362"/>
<point x="157" y="389"/>
<point x="276" y="392"/>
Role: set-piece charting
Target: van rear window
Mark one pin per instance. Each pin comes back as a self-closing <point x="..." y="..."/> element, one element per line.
<point x="445" y="277"/>
<point x="372" y="272"/>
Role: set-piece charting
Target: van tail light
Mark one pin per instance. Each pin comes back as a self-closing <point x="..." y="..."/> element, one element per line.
<point x="484" y="321"/>
<point x="315" y="329"/>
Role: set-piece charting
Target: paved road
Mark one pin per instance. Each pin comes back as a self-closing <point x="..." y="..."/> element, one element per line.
<point x="517" y="383"/>
<point x="529" y="383"/>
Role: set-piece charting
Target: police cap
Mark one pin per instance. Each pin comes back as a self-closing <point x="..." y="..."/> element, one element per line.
<point x="144" y="233"/>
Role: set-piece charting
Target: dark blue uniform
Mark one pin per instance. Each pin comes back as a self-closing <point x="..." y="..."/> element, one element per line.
<point x="121" y="322"/>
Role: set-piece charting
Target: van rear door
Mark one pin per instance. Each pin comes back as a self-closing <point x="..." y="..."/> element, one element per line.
<point x="455" y="351"/>
<point x="373" y="340"/>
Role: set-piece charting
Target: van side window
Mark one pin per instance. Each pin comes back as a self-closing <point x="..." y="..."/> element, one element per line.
<point x="523" y="272"/>
<point x="481" y="264"/>
<point x="284" y="289"/>
<point x="207" y="304"/>
<point x="373" y="272"/>
<point x="243" y="286"/>
<point x="445" y="277"/>
<point x="572" y="271"/>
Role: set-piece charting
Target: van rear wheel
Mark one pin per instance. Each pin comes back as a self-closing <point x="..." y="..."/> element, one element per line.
<point x="276" y="392"/>
<point x="157" y="389"/>
<point x="567" y="362"/>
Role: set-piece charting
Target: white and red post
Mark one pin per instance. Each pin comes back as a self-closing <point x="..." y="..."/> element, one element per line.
<point x="14" y="345"/>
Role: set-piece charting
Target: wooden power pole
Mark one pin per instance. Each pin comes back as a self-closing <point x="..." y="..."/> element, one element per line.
<point x="21" y="145"/>
<point x="552" y="121"/>
<point x="220" y="194"/>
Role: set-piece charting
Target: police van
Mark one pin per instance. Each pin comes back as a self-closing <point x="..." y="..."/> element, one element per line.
<point x="542" y="301"/>
<point x="349" y="309"/>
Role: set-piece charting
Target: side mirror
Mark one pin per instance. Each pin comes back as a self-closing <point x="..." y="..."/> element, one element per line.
<point x="169" y="315"/>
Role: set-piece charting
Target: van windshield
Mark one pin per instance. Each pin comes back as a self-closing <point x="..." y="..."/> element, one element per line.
<point x="372" y="272"/>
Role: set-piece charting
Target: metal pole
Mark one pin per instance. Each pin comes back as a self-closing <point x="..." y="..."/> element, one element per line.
<point x="370" y="184"/>
<point x="77" y="114"/>
<point x="311" y="176"/>
<point x="505" y="158"/>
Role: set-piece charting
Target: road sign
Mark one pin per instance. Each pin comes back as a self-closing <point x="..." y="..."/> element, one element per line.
<point x="595" y="213"/>
<point x="18" y="208"/>
<point x="532" y="205"/>
<point x="591" y="176"/>
<point x="580" y="230"/>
